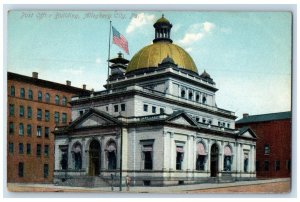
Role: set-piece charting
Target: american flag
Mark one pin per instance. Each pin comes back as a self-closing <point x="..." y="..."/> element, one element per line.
<point x="120" y="40"/>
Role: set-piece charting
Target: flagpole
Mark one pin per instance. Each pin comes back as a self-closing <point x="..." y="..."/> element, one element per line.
<point x="108" y="53"/>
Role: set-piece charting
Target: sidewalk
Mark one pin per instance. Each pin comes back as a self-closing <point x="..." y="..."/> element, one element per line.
<point x="138" y="189"/>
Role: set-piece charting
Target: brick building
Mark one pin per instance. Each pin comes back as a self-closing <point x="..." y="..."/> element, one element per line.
<point x="35" y="107"/>
<point x="273" y="146"/>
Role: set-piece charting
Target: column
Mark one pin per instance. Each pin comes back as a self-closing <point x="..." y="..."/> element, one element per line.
<point x="102" y="155"/>
<point x="254" y="158"/>
<point x="172" y="151"/>
<point x="208" y="155"/>
<point x="165" y="151"/>
<point x="221" y="156"/>
<point x="238" y="157"/>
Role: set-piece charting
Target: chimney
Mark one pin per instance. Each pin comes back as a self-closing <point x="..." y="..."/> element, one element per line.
<point x="245" y="115"/>
<point x="68" y="83"/>
<point x="84" y="87"/>
<point x="35" y="75"/>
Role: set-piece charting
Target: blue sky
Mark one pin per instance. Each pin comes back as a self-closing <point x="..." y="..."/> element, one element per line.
<point x="248" y="54"/>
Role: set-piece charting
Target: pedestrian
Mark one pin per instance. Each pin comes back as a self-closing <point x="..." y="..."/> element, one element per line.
<point x="127" y="181"/>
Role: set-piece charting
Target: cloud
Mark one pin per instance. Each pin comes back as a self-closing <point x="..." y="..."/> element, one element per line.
<point x="196" y="32"/>
<point x="189" y="49"/>
<point x="98" y="60"/>
<point x="140" y="20"/>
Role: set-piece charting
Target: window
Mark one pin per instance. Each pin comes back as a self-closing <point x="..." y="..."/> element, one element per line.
<point x="203" y="120"/>
<point x="38" y="150"/>
<point x="277" y="165"/>
<point x="209" y="121"/>
<point x="57" y="99"/>
<point x="64" y="157"/>
<point x="246" y="162"/>
<point x="81" y="112"/>
<point x="11" y="128"/>
<point x="161" y="110"/>
<point x="21" y="129"/>
<point x="267" y="149"/>
<point x="46" y="170"/>
<point x="116" y="107"/>
<point x="197" y="98"/>
<point x="145" y="108"/>
<point x="46" y="150"/>
<point x="47" y="115"/>
<point x="11" y="110"/>
<point x="266" y="165"/>
<point x="147" y="153"/>
<point x="288" y="165"/>
<point x="46" y="132"/>
<point x="183" y="93"/>
<point x="21" y="149"/>
<point x="179" y="157"/>
<point x="197" y="119"/>
<point x="64" y="117"/>
<point x="11" y="147"/>
<point x="227" y="158"/>
<point x="29" y="112"/>
<point x="123" y="107"/>
<point x="40" y="96"/>
<point x="257" y="166"/>
<point x="29" y="130"/>
<point x="228" y="125"/>
<point x="77" y="150"/>
<point x="22" y="93"/>
<point x="153" y="109"/>
<point x="204" y="100"/>
<point x="56" y="117"/>
<point x="47" y="97"/>
<point x="28" y="149"/>
<point x="30" y="95"/>
<point x="12" y="91"/>
<point x="21" y="113"/>
<point x="64" y="101"/>
<point x="21" y="169"/>
<point x="190" y="95"/>
<point x="39" y="114"/>
<point x="39" y="131"/>
<point x="200" y="162"/>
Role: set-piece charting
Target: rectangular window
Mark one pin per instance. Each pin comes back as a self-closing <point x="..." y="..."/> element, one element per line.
<point x="39" y="114"/>
<point x="46" y="170"/>
<point x="21" y="169"/>
<point x="28" y="149"/>
<point x="38" y="149"/>
<point x="277" y="165"/>
<point x="11" y="110"/>
<point x="288" y="165"/>
<point x="267" y="149"/>
<point x="29" y="130"/>
<point x="266" y="165"/>
<point x="56" y="117"/>
<point x="22" y="93"/>
<point x="228" y="125"/>
<point x="30" y="95"/>
<point x="39" y="131"/>
<point x="46" y="150"/>
<point x="11" y="147"/>
<point x="153" y="109"/>
<point x="40" y="96"/>
<point x="179" y="157"/>
<point x="12" y="91"/>
<point x="161" y="110"/>
<point x="21" y="149"/>
<point x="21" y="129"/>
<point x="47" y="115"/>
<point x="29" y="112"/>
<point x="203" y="120"/>
<point x="197" y="119"/>
<point x="148" y="152"/>
<point x="123" y="107"/>
<point x="11" y="128"/>
<point x="21" y="111"/>
<point x="64" y="117"/>
<point x="80" y="112"/>
<point x="46" y="132"/>
<point x="145" y="108"/>
<point x="116" y="107"/>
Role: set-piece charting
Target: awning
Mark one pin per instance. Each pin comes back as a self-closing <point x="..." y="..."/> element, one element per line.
<point x="200" y="149"/>
<point x="227" y="151"/>
<point x="77" y="149"/>
<point x="179" y="149"/>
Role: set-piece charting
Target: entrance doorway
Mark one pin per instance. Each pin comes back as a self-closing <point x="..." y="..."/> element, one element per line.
<point x="214" y="160"/>
<point x="94" y="158"/>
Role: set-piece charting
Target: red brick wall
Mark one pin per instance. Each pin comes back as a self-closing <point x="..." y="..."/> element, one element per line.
<point x="33" y="165"/>
<point x="278" y="135"/>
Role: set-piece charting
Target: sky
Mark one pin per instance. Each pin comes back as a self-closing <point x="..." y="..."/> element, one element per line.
<point x="248" y="54"/>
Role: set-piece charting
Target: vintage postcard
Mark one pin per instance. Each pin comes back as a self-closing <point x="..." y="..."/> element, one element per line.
<point x="149" y="101"/>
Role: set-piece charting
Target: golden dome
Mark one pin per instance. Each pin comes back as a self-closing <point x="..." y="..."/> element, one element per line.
<point x="152" y="55"/>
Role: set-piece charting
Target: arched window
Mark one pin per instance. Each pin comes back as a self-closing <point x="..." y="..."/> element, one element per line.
<point x="227" y="158"/>
<point x="183" y="93"/>
<point x="204" y="100"/>
<point x="40" y="96"/>
<point x="201" y="156"/>
<point x="111" y="155"/>
<point x="77" y="158"/>
<point x="57" y="99"/>
<point x="64" y="101"/>
<point x="190" y="95"/>
<point x="12" y="91"/>
<point x="47" y="97"/>
<point x="30" y="94"/>
<point x="197" y="98"/>
<point x="246" y="162"/>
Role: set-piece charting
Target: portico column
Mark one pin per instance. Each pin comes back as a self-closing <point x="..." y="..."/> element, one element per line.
<point x="103" y="154"/>
<point x="166" y="151"/>
<point x="254" y="158"/>
<point x="208" y="155"/>
<point x="221" y="157"/>
<point x="172" y="151"/>
<point x="188" y="153"/>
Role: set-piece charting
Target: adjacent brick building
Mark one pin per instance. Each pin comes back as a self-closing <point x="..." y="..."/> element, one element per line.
<point x="273" y="146"/>
<point x="34" y="108"/>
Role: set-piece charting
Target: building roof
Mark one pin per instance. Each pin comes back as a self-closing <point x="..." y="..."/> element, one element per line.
<point x="265" y="117"/>
<point x="46" y="84"/>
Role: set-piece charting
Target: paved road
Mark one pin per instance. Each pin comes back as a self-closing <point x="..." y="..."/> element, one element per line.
<point x="258" y="186"/>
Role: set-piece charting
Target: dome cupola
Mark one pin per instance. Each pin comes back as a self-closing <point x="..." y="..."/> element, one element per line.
<point x="162" y="30"/>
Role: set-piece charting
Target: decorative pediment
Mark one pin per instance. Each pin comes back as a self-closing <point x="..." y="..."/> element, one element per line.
<point x="247" y="132"/>
<point x="181" y="118"/>
<point x="93" y="120"/>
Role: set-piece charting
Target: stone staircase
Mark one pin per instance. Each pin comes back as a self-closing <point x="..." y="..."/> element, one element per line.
<point x="85" y="181"/>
